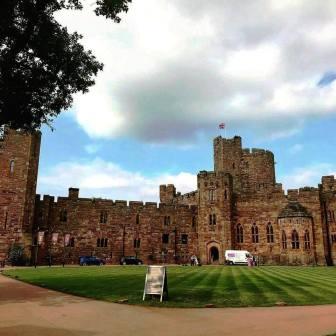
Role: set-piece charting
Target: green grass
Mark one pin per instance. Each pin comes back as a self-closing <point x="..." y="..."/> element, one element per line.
<point x="193" y="286"/>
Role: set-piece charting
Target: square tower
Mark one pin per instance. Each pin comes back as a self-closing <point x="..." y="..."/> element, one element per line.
<point x="19" y="158"/>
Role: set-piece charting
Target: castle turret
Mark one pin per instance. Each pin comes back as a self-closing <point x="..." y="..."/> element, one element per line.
<point x="167" y="193"/>
<point x="252" y="170"/>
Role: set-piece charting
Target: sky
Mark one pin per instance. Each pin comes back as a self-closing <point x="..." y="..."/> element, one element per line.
<point x="174" y="70"/>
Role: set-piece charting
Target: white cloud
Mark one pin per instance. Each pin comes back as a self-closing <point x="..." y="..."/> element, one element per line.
<point x="175" y="68"/>
<point x="307" y="176"/>
<point x="99" y="178"/>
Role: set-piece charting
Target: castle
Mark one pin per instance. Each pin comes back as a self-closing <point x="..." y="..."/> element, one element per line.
<point x="239" y="205"/>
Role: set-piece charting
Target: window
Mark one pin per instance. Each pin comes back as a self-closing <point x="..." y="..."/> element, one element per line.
<point x="269" y="233"/>
<point x="212" y="219"/>
<point x="184" y="239"/>
<point x="255" y="234"/>
<point x="166" y="220"/>
<point x="306" y="240"/>
<point x="136" y="243"/>
<point x="103" y="217"/>
<point x="67" y="239"/>
<point x="72" y="242"/>
<point x="193" y="222"/>
<point x="329" y="215"/>
<point x="225" y="194"/>
<point x="295" y="240"/>
<point x="137" y="219"/>
<point x="102" y="242"/>
<point x="284" y="240"/>
<point x="211" y="195"/>
<point x="11" y="166"/>
<point x="165" y="238"/>
<point x="333" y="238"/>
<point x="240" y="234"/>
<point x="63" y="215"/>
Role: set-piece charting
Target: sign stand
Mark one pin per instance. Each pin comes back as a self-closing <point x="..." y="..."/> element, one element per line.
<point x="156" y="282"/>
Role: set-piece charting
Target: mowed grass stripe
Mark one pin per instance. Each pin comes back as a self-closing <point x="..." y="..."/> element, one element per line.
<point x="194" y="286"/>
<point x="315" y="285"/>
<point x="274" y="290"/>
<point x="291" y="284"/>
<point x="309" y="279"/>
<point x="301" y="293"/>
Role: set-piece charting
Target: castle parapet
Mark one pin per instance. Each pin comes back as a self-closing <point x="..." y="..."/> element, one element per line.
<point x="167" y="193"/>
<point x="73" y="193"/>
<point x="328" y="183"/>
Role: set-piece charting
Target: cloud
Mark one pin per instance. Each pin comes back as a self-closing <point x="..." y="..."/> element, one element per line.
<point x="99" y="178"/>
<point x="175" y="68"/>
<point x="307" y="176"/>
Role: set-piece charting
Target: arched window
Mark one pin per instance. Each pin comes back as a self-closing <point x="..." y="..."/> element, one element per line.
<point x="295" y="240"/>
<point x="212" y="195"/>
<point x="255" y="234"/>
<point x="72" y="242"/>
<point x="193" y="223"/>
<point x="105" y="242"/>
<point x="284" y="240"/>
<point x="225" y="194"/>
<point x="103" y="217"/>
<point x="269" y="233"/>
<point x="240" y="234"/>
<point x="166" y="220"/>
<point x="137" y="219"/>
<point x="98" y="242"/>
<point x="212" y="219"/>
<point x="63" y="215"/>
<point x="11" y="166"/>
<point x="306" y="240"/>
<point x="329" y="215"/>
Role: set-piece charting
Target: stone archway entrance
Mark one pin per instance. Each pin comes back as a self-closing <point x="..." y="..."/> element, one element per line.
<point x="214" y="255"/>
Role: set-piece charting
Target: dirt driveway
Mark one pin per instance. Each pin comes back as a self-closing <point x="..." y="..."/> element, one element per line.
<point x="27" y="310"/>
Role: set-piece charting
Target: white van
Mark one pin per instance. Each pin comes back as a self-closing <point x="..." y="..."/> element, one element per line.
<point x="235" y="257"/>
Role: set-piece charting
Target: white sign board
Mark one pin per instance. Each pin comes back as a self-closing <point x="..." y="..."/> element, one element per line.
<point x="156" y="282"/>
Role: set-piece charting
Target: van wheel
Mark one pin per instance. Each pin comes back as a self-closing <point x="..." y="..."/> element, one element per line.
<point x="139" y="263"/>
<point x="84" y="264"/>
<point x="231" y="263"/>
<point x="124" y="263"/>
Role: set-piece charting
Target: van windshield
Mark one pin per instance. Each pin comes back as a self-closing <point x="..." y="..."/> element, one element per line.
<point x="248" y="255"/>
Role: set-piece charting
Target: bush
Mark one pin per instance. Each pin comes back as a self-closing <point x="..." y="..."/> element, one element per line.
<point x="16" y="256"/>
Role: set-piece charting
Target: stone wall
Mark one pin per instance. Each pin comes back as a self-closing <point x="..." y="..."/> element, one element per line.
<point x="19" y="156"/>
<point x="121" y="224"/>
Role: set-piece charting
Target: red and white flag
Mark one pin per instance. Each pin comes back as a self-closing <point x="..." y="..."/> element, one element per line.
<point x="221" y="125"/>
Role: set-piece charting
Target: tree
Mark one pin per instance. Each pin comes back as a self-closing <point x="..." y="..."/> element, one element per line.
<point x="16" y="256"/>
<point x="42" y="65"/>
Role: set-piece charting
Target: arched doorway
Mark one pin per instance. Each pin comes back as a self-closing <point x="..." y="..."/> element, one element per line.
<point x="214" y="255"/>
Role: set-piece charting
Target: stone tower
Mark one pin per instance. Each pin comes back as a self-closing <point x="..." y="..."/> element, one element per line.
<point x="19" y="158"/>
<point x="214" y="215"/>
<point x="252" y="170"/>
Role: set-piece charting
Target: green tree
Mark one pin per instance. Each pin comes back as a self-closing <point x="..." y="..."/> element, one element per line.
<point x="42" y="65"/>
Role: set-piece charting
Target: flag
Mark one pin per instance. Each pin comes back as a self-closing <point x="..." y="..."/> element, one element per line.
<point x="221" y="126"/>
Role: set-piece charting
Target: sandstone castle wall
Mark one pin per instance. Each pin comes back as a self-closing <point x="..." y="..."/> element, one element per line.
<point x="238" y="205"/>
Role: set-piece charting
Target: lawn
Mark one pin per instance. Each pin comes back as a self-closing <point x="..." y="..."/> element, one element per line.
<point x="223" y="286"/>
